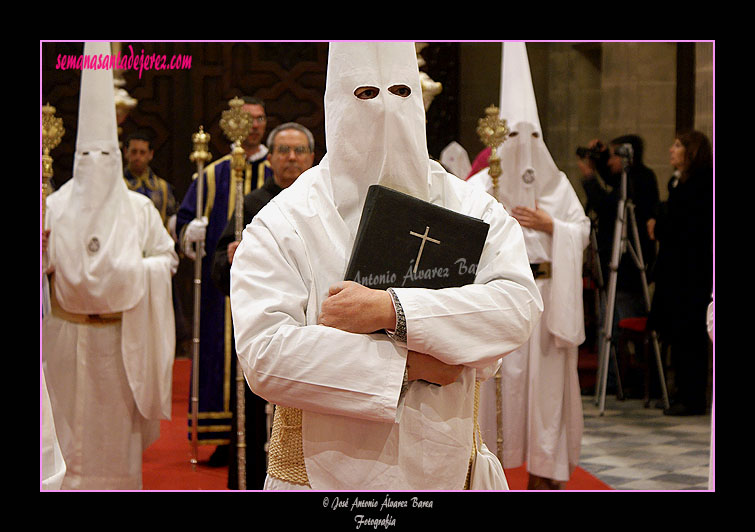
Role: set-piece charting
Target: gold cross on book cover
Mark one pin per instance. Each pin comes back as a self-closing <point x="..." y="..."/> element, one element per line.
<point x="424" y="238"/>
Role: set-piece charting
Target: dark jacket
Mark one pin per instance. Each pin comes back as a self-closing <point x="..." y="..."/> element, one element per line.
<point x="253" y="203"/>
<point x="642" y="189"/>
<point x="684" y="269"/>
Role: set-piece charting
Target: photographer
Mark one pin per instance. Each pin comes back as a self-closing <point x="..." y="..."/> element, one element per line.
<point x="602" y="170"/>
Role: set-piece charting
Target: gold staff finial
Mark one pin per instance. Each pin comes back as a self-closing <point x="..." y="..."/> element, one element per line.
<point x="52" y="134"/>
<point x="236" y="124"/>
<point x="201" y="151"/>
<point x="493" y="131"/>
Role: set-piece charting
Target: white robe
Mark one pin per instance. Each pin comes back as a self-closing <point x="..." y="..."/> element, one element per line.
<point x="53" y="465"/>
<point x="348" y="385"/>
<point x="541" y="398"/>
<point x="110" y="384"/>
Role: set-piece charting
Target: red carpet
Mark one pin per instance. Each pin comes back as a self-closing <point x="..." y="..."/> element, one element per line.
<point x="167" y="463"/>
<point x="580" y="480"/>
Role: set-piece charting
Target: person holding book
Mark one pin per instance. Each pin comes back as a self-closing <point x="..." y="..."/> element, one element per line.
<point x="541" y="422"/>
<point x="357" y="408"/>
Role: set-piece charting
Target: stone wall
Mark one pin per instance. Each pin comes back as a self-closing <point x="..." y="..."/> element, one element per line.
<point x="593" y="90"/>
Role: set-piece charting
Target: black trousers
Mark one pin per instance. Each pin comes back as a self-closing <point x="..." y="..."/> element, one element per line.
<point x="689" y="359"/>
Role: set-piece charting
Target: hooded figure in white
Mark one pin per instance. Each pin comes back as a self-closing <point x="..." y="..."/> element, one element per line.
<point x="542" y="405"/>
<point x="109" y="342"/>
<point x="343" y="418"/>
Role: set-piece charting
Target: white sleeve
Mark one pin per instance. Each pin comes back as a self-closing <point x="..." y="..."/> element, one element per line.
<point x="564" y="313"/>
<point x="287" y="358"/>
<point x="477" y="324"/>
<point x="148" y="337"/>
<point x="156" y="240"/>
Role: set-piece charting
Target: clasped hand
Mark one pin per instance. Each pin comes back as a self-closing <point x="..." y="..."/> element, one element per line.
<point x="536" y="218"/>
<point x="354" y="308"/>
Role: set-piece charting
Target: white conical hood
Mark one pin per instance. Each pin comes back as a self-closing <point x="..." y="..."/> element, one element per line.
<point x="97" y="125"/>
<point x="517" y="98"/>
<point x="94" y="243"/>
<point x="380" y="140"/>
<point x="528" y="170"/>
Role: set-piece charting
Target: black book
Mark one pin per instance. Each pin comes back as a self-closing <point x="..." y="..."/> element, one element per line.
<point x="403" y="241"/>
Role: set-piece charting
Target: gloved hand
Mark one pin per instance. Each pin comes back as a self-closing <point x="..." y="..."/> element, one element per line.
<point x="195" y="232"/>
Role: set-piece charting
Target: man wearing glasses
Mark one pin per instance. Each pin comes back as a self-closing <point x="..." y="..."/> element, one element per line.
<point x="215" y="346"/>
<point x="291" y="152"/>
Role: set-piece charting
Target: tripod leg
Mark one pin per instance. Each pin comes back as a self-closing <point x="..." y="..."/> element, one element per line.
<point x="601" y="369"/>
<point x="614" y="357"/>
<point x="605" y="347"/>
<point x="619" y="234"/>
<point x="600" y="305"/>
<point x="646" y="292"/>
<point x="661" y="376"/>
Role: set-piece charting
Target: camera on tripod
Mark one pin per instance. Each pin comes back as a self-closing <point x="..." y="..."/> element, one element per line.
<point x="594" y="153"/>
<point x="625" y="151"/>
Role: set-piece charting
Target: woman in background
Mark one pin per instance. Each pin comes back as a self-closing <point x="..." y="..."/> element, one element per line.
<point x="684" y="271"/>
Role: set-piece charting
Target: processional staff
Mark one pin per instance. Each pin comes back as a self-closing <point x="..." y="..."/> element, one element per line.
<point x="493" y="131"/>
<point x="52" y="134"/>
<point x="200" y="155"/>
<point x="237" y="124"/>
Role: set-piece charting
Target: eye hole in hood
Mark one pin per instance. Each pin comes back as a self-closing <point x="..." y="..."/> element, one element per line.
<point x="400" y="90"/>
<point x="366" y="92"/>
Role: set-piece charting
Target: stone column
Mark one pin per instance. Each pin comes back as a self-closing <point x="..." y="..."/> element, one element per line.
<point x="704" y="88"/>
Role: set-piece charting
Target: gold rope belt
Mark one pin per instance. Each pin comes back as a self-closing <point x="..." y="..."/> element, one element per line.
<point x="87" y="319"/>
<point x="286" y="455"/>
<point x="475" y="428"/>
